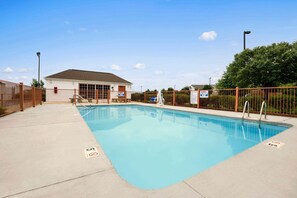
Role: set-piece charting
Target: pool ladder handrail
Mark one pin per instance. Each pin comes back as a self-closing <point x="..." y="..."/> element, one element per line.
<point x="263" y="106"/>
<point x="246" y="104"/>
<point x="82" y="98"/>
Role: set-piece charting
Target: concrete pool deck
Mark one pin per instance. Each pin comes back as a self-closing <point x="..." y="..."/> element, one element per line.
<point x="42" y="155"/>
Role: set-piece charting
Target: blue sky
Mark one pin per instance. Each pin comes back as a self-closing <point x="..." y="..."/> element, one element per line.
<point x="152" y="43"/>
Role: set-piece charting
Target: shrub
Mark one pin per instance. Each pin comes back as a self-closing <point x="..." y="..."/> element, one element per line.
<point x="218" y="102"/>
<point x="168" y="98"/>
<point x="182" y="98"/>
<point x="282" y="103"/>
<point x="2" y="110"/>
<point x="137" y="97"/>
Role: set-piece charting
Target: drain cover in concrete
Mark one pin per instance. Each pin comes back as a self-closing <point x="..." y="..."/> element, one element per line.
<point x="275" y="144"/>
<point x="91" y="152"/>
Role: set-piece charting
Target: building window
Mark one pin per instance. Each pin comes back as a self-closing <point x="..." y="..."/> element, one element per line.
<point x="88" y="91"/>
<point x="83" y="90"/>
<point x="102" y="91"/>
<point x="105" y="91"/>
<point x="91" y="92"/>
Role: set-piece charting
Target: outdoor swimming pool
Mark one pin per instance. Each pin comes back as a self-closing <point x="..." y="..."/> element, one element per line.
<point x="152" y="148"/>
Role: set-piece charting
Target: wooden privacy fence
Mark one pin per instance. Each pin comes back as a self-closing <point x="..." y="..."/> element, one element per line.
<point x="17" y="97"/>
<point x="279" y="100"/>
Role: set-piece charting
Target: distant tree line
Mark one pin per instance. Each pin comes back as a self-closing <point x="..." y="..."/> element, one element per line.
<point x="205" y="87"/>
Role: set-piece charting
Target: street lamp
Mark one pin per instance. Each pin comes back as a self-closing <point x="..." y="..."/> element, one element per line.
<point x="38" y="55"/>
<point x="244" y="33"/>
<point x="209" y="80"/>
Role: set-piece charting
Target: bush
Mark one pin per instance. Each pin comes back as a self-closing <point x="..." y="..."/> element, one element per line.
<point x="282" y="103"/>
<point x="254" y="100"/>
<point x="137" y="97"/>
<point x="2" y="110"/>
<point x="218" y="102"/>
<point x="182" y="99"/>
<point x="168" y="98"/>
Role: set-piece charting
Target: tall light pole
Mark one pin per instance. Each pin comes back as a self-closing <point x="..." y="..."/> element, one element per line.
<point x="209" y="80"/>
<point x="38" y="55"/>
<point x="244" y="33"/>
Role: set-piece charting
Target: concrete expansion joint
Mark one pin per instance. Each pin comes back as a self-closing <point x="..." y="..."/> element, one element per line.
<point x="60" y="182"/>
<point x="196" y="191"/>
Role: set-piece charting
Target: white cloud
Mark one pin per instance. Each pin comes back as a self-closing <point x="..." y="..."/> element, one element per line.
<point x="208" y="36"/>
<point x="115" y="67"/>
<point x="17" y="78"/>
<point x="82" y="29"/>
<point x="23" y="70"/>
<point x="22" y="77"/>
<point x="159" y="72"/>
<point x="8" y="70"/>
<point x="139" y="66"/>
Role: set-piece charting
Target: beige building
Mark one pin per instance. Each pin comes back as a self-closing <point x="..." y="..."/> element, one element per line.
<point x="60" y="86"/>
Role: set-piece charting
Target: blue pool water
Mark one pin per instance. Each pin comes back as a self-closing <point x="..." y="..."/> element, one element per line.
<point x="153" y="148"/>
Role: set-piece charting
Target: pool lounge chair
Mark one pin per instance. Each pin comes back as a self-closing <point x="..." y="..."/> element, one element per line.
<point x="153" y="99"/>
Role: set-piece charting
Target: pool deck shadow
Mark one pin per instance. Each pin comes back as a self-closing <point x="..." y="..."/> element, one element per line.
<point x="42" y="155"/>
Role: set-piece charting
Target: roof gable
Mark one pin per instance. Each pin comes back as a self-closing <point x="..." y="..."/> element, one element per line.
<point x="75" y="74"/>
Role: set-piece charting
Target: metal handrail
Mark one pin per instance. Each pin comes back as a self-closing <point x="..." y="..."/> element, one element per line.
<point x="79" y="96"/>
<point x="246" y="104"/>
<point x="264" y="105"/>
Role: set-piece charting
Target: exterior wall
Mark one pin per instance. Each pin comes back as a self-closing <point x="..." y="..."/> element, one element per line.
<point x="66" y="89"/>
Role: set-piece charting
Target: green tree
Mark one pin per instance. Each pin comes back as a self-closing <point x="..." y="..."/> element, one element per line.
<point x="170" y="89"/>
<point x="36" y="84"/>
<point x="186" y="88"/>
<point x="264" y="66"/>
<point x="207" y="87"/>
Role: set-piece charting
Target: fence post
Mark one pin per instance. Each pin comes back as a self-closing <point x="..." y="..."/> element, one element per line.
<point x="236" y="99"/>
<point x="74" y="97"/>
<point x="173" y="98"/>
<point x="108" y="96"/>
<point x="144" y="97"/>
<point x="125" y="92"/>
<point x="198" y="98"/>
<point x="21" y="97"/>
<point x="97" y="94"/>
<point x="2" y="101"/>
<point x="33" y="96"/>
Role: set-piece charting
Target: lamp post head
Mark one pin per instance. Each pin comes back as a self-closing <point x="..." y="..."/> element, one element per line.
<point x="247" y="32"/>
<point x="38" y="54"/>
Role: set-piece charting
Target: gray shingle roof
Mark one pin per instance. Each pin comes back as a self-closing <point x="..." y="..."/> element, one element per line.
<point x="75" y="74"/>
